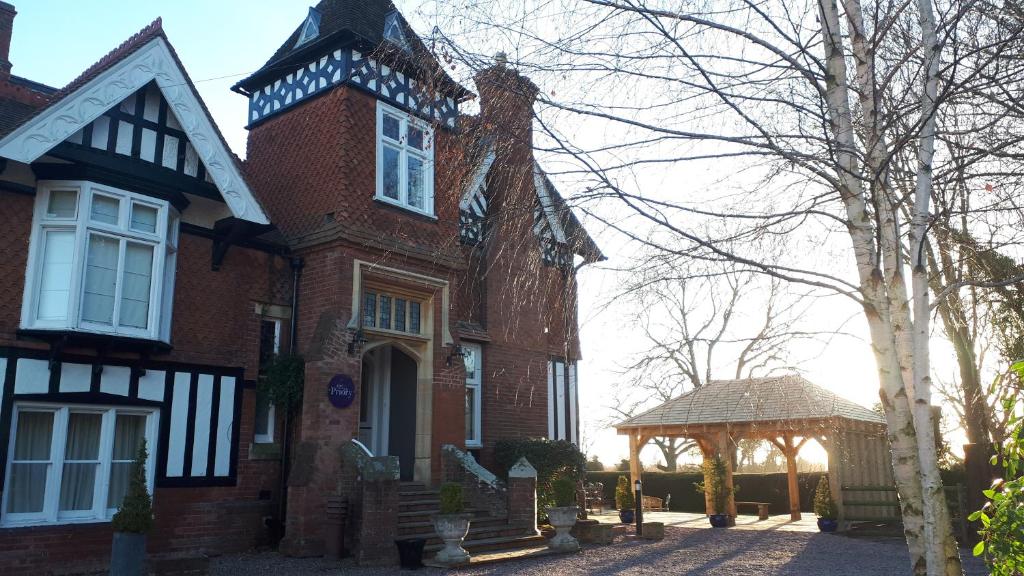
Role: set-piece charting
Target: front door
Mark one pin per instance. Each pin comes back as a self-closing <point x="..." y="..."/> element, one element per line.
<point x="387" y="406"/>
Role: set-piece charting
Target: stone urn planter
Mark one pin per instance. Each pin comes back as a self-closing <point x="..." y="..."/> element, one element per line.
<point x="452" y="529"/>
<point x="563" y="518"/>
<point x="128" y="554"/>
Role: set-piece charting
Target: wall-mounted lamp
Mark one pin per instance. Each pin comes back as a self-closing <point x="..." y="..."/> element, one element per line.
<point x="356" y="344"/>
<point x="456" y="351"/>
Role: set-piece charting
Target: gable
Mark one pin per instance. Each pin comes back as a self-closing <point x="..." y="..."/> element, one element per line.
<point x="154" y="63"/>
<point x="143" y="128"/>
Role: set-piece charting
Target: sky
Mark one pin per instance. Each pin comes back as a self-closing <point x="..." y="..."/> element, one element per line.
<point x="222" y="41"/>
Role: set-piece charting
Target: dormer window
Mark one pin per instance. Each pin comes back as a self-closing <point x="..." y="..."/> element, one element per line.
<point x="393" y="31"/>
<point x="405" y="160"/>
<point x="101" y="260"/>
<point x="310" y="28"/>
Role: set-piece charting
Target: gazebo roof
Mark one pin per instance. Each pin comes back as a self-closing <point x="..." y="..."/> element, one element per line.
<point x="752" y="400"/>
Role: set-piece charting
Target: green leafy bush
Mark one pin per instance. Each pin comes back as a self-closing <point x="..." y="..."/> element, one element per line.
<point x="824" y="506"/>
<point x="624" y="498"/>
<point x="564" y="491"/>
<point x="551" y="458"/>
<point x="136" y="511"/>
<point x="451" y="498"/>
<point x="1002" y="517"/>
<point x="714" y="483"/>
<point x="282" y="380"/>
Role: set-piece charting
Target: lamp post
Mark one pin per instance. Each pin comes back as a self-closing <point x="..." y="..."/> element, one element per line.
<point x="639" y="506"/>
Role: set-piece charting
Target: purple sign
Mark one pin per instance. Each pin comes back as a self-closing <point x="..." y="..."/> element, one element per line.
<point x="341" y="391"/>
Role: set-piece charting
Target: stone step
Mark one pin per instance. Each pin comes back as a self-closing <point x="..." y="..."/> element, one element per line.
<point x="498" y="556"/>
<point x="425" y="515"/>
<point x="486" y="545"/>
<point x="421" y="527"/>
<point x="476" y="534"/>
<point x="420" y="505"/>
<point x="418" y="494"/>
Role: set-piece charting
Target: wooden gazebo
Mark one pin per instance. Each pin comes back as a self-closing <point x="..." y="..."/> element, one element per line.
<point x="786" y="411"/>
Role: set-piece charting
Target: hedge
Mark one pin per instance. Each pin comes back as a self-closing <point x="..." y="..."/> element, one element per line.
<point x="771" y="488"/>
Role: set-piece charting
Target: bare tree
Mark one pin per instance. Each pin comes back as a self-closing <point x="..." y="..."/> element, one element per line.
<point x="811" y="108"/>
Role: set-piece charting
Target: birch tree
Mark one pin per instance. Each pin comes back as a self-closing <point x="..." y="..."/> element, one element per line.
<point x="808" y="109"/>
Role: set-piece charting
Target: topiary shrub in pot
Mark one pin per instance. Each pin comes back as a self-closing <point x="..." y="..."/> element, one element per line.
<point x="563" y="514"/>
<point x="452" y="525"/>
<point x="714" y="487"/>
<point x="625" y="501"/>
<point x="131" y="523"/>
<point x="825" y="507"/>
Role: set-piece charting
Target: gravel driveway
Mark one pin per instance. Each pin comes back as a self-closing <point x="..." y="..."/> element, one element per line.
<point x="683" y="552"/>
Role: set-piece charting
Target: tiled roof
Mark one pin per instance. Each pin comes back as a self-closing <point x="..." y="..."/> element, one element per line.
<point x="774" y="399"/>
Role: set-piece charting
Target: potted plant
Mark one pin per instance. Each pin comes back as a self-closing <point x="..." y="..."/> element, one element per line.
<point x="563" y="515"/>
<point x="624" y="500"/>
<point x="131" y="523"/>
<point x="714" y="487"/>
<point x="452" y="525"/>
<point x="825" y="507"/>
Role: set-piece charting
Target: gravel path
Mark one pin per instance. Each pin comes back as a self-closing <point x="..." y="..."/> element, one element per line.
<point x="683" y="552"/>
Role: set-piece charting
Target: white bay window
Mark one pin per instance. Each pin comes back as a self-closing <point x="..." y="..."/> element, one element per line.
<point x="101" y="260"/>
<point x="72" y="463"/>
<point x="405" y="160"/>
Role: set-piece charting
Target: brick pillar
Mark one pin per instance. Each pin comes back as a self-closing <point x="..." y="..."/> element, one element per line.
<point x="522" y="496"/>
<point x="322" y="432"/>
<point x="378" y="528"/>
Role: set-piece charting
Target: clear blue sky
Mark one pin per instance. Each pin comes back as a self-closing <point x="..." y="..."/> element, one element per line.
<point x="55" y="40"/>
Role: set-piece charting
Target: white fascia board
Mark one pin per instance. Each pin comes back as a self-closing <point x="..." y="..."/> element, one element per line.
<point x="546" y="202"/>
<point x="478" y="178"/>
<point x="153" y="61"/>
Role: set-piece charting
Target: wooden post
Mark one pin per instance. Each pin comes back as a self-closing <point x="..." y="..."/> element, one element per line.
<point x="634" y="458"/>
<point x="723" y="452"/>
<point x="794" y="486"/>
<point x="706" y="453"/>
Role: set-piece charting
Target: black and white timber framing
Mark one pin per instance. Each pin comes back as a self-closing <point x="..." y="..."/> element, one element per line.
<point x="142" y="128"/>
<point x="350" y="66"/>
<point x="199" y="406"/>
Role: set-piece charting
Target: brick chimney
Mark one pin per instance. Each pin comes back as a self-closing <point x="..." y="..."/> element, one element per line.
<point x="506" y="103"/>
<point x="7" y="14"/>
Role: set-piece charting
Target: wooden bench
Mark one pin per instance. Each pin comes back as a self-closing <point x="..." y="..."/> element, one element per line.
<point x="655" y="504"/>
<point x="762" y="508"/>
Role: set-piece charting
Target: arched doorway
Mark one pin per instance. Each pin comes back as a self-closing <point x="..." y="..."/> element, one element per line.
<point x="387" y="405"/>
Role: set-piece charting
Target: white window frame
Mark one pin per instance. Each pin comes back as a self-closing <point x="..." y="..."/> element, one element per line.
<point x="164" y="241"/>
<point x="268" y="438"/>
<point x="406" y="119"/>
<point x="475" y="381"/>
<point x="50" y="514"/>
<point x="378" y="312"/>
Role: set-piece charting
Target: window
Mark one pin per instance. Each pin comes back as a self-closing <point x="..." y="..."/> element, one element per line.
<point x="72" y="463"/>
<point x="562" y="401"/>
<point x="310" y="28"/>
<point x="101" y="260"/>
<point x="270" y="345"/>
<point x="392" y="312"/>
<point x="405" y="160"/>
<point x="474" y="376"/>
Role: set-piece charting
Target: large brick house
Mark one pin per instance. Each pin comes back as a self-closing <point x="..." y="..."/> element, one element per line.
<point x="418" y="259"/>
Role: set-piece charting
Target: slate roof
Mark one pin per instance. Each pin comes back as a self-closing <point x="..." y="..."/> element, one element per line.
<point x="773" y="399"/>
<point x="361" y="21"/>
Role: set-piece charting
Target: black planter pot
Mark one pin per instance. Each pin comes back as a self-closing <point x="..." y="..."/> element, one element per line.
<point x="827" y="525"/>
<point x="626" y="516"/>
<point x="719" y="520"/>
<point x="410" y="553"/>
<point x="128" y="554"/>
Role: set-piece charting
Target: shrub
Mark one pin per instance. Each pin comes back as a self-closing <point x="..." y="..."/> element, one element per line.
<point x="282" y="380"/>
<point x="1002" y="517"/>
<point x="594" y="465"/>
<point x="451" y="498"/>
<point x="564" y="492"/>
<point x="551" y="458"/>
<point x="714" y="483"/>
<point x="624" y="498"/>
<point x="136" y="511"/>
<point x="824" y="506"/>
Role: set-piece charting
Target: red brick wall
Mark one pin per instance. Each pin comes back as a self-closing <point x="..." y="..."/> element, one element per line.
<point x="214" y="323"/>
